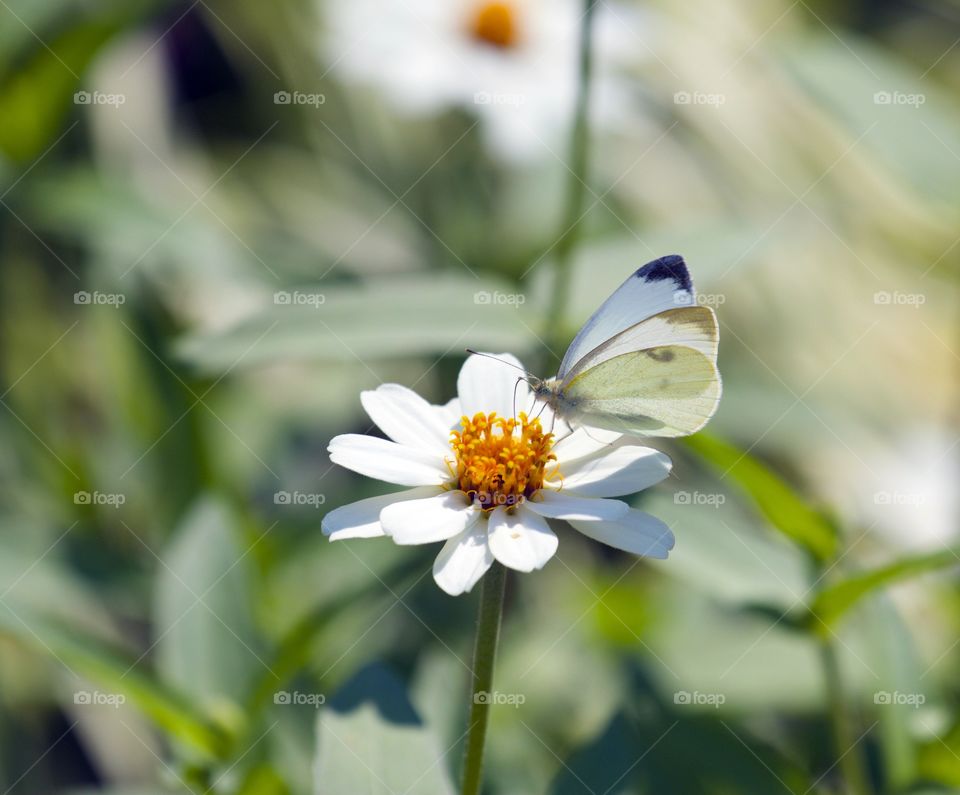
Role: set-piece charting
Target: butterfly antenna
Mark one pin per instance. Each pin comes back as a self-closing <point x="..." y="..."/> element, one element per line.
<point x="528" y="376"/>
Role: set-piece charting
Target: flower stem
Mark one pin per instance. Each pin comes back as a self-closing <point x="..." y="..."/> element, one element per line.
<point x="578" y="166"/>
<point x="484" y="654"/>
<point x="850" y="759"/>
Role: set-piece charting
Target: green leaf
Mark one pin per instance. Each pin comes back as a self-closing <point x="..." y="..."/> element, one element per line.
<point x="371" y="740"/>
<point x="727" y="550"/>
<point x="415" y="315"/>
<point x="834" y="601"/>
<point x="909" y="118"/>
<point x="294" y="648"/>
<point x="607" y="764"/>
<point x="651" y="753"/>
<point x="155" y="790"/>
<point x="206" y="643"/>
<point x="48" y="609"/>
<point x="263" y="780"/>
<point x="113" y="669"/>
<point x="777" y="501"/>
<point x="36" y="97"/>
<point x="939" y="758"/>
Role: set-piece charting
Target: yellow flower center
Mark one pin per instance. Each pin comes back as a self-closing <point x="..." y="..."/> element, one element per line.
<point x="495" y="24"/>
<point x="496" y="466"/>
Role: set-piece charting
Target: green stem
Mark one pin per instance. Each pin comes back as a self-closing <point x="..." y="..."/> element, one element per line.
<point x="844" y="736"/>
<point x="485" y="652"/>
<point x="576" y="186"/>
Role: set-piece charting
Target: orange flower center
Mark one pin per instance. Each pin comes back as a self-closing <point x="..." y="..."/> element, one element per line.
<point x="495" y="24"/>
<point x="495" y="465"/>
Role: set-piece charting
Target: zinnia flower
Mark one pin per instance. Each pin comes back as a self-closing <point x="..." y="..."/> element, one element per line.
<point x="513" y="63"/>
<point x="486" y="483"/>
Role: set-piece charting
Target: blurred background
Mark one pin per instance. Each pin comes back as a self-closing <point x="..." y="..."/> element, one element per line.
<point x="219" y="221"/>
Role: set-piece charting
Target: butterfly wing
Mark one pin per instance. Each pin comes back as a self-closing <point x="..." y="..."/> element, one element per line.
<point x="670" y="390"/>
<point x="656" y="287"/>
<point x="692" y="326"/>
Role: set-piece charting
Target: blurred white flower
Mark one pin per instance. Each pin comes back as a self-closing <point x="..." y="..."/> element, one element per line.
<point x="486" y="483"/>
<point x="912" y="498"/>
<point x="512" y="63"/>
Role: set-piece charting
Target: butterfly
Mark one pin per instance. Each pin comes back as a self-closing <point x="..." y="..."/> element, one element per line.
<point x="645" y="363"/>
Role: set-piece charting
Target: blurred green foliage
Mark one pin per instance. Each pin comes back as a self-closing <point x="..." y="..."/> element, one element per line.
<point x="197" y="282"/>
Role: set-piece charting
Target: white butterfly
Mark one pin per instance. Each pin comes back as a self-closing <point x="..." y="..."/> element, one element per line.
<point x="645" y="362"/>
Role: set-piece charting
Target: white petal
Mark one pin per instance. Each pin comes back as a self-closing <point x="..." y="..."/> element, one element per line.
<point x="623" y="470"/>
<point x="449" y="413"/>
<point x="463" y="560"/>
<point x="522" y="540"/>
<point x="389" y="461"/>
<point x="583" y="442"/>
<point x="487" y="385"/>
<point x="432" y="519"/>
<point x="560" y="505"/>
<point x="637" y="532"/>
<point x="362" y="519"/>
<point x="407" y="418"/>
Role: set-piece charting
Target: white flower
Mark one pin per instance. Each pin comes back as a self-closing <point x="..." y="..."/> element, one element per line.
<point x="486" y="483"/>
<point x="511" y="62"/>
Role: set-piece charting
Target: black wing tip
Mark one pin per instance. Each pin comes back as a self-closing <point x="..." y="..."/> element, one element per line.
<point x="672" y="267"/>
